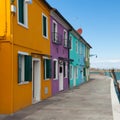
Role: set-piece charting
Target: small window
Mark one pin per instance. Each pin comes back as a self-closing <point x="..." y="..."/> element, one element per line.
<point x="55" y="71"/>
<point x="70" y="42"/>
<point x="76" y="46"/>
<point x="44" y="26"/>
<point x="65" y="69"/>
<point x="71" y="72"/>
<point x="24" y="68"/>
<point x="65" y="38"/>
<point x="47" y="68"/>
<point x="22" y="13"/>
<point x="76" y="72"/>
<point x="80" y="48"/>
<point x="54" y="31"/>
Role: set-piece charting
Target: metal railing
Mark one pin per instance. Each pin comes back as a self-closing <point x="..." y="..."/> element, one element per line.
<point x="56" y="38"/>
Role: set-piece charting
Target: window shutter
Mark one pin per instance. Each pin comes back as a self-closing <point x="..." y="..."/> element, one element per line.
<point x="28" y="68"/>
<point x="19" y="68"/>
<point x="21" y="11"/>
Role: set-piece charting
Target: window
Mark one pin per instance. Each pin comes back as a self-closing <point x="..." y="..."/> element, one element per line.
<point x="65" y="69"/>
<point x="47" y="68"/>
<point x="76" y="46"/>
<point x="44" y="26"/>
<point x="76" y="72"/>
<point x="80" y="48"/>
<point x="70" y="42"/>
<point x="65" y="38"/>
<point x="22" y="13"/>
<point x="54" y="31"/>
<point x="55" y="66"/>
<point x="71" y="72"/>
<point x="24" y="68"/>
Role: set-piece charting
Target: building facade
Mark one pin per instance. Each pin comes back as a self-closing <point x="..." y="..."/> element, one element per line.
<point x="24" y="54"/>
<point x="59" y="51"/>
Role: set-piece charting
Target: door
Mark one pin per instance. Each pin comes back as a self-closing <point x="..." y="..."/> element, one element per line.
<point x="36" y="84"/>
<point x="61" y="76"/>
<point x="74" y="80"/>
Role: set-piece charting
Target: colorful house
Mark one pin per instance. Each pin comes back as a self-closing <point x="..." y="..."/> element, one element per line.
<point x="87" y="61"/>
<point x="79" y="70"/>
<point x="25" y="76"/>
<point x="60" y="45"/>
<point x="85" y="55"/>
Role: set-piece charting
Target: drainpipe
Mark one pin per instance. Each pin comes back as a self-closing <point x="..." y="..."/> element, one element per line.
<point x="13" y="11"/>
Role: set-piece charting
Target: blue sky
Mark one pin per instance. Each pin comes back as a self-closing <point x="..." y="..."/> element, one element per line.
<point x="100" y="22"/>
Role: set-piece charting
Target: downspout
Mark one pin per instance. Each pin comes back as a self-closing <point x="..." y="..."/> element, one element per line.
<point x="12" y="42"/>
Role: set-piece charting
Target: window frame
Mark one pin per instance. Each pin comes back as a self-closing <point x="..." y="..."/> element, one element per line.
<point x="45" y="70"/>
<point x="55" y="30"/>
<point x="71" y="72"/>
<point x="65" y="37"/>
<point x="76" y="46"/>
<point x="22" y="81"/>
<point x="65" y="67"/>
<point x="25" y="5"/>
<point x="55" y="70"/>
<point x="45" y="36"/>
<point x="71" y="40"/>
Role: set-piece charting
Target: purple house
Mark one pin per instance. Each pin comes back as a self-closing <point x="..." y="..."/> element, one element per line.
<point x="60" y="45"/>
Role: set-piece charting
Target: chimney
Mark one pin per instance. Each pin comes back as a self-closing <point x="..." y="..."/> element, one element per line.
<point x="79" y="31"/>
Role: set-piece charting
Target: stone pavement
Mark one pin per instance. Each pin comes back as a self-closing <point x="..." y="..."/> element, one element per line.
<point x="90" y="101"/>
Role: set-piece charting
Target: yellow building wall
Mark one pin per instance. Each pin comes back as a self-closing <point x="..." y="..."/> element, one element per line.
<point x="6" y="83"/>
<point x="5" y="19"/>
<point x="30" y="40"/>
<point x="18" y="38"/>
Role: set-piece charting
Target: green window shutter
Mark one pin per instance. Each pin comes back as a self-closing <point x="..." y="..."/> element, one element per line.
<point x="21" y="10"/>
<point x="44" y="26"/>
<point x="19" y="67"/>
<point x="47" y="68"/>
<point x="28" y="68"/>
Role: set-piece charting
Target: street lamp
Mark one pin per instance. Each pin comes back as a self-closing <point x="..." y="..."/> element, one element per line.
<point x="93" y="55"/>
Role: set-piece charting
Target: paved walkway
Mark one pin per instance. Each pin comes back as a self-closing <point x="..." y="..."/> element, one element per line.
<point x="90" y="101"/>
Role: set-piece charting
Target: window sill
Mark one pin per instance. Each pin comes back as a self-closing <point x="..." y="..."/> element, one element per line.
<point x="55" y="79"/>
<point x="46" y="37"/>
<point x="23" y="83"/>
<point x="23" y="25"/>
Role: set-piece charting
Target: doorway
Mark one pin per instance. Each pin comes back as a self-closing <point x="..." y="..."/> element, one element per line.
<point x="61" y="76"/>
<point x="36" y="83"/>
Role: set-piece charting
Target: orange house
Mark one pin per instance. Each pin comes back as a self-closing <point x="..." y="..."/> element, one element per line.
<point x="24" y="53"/>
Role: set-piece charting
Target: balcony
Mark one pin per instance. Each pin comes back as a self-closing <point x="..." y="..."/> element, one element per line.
<point x="67" y="43"/>
<point x="56" y="38"/>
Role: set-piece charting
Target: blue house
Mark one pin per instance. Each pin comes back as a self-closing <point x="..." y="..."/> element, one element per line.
<point x="77" y="68"/>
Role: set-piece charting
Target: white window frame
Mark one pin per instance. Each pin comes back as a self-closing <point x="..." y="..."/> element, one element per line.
<point x="56" y="69"/>
<point x="25" y="14"/>
<point x="23" y="68"/>
<point x="65" y="37"/>
<point x="43" y="15"/>
<point x="56" y="29"/>
<point x="66" y="70"/>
